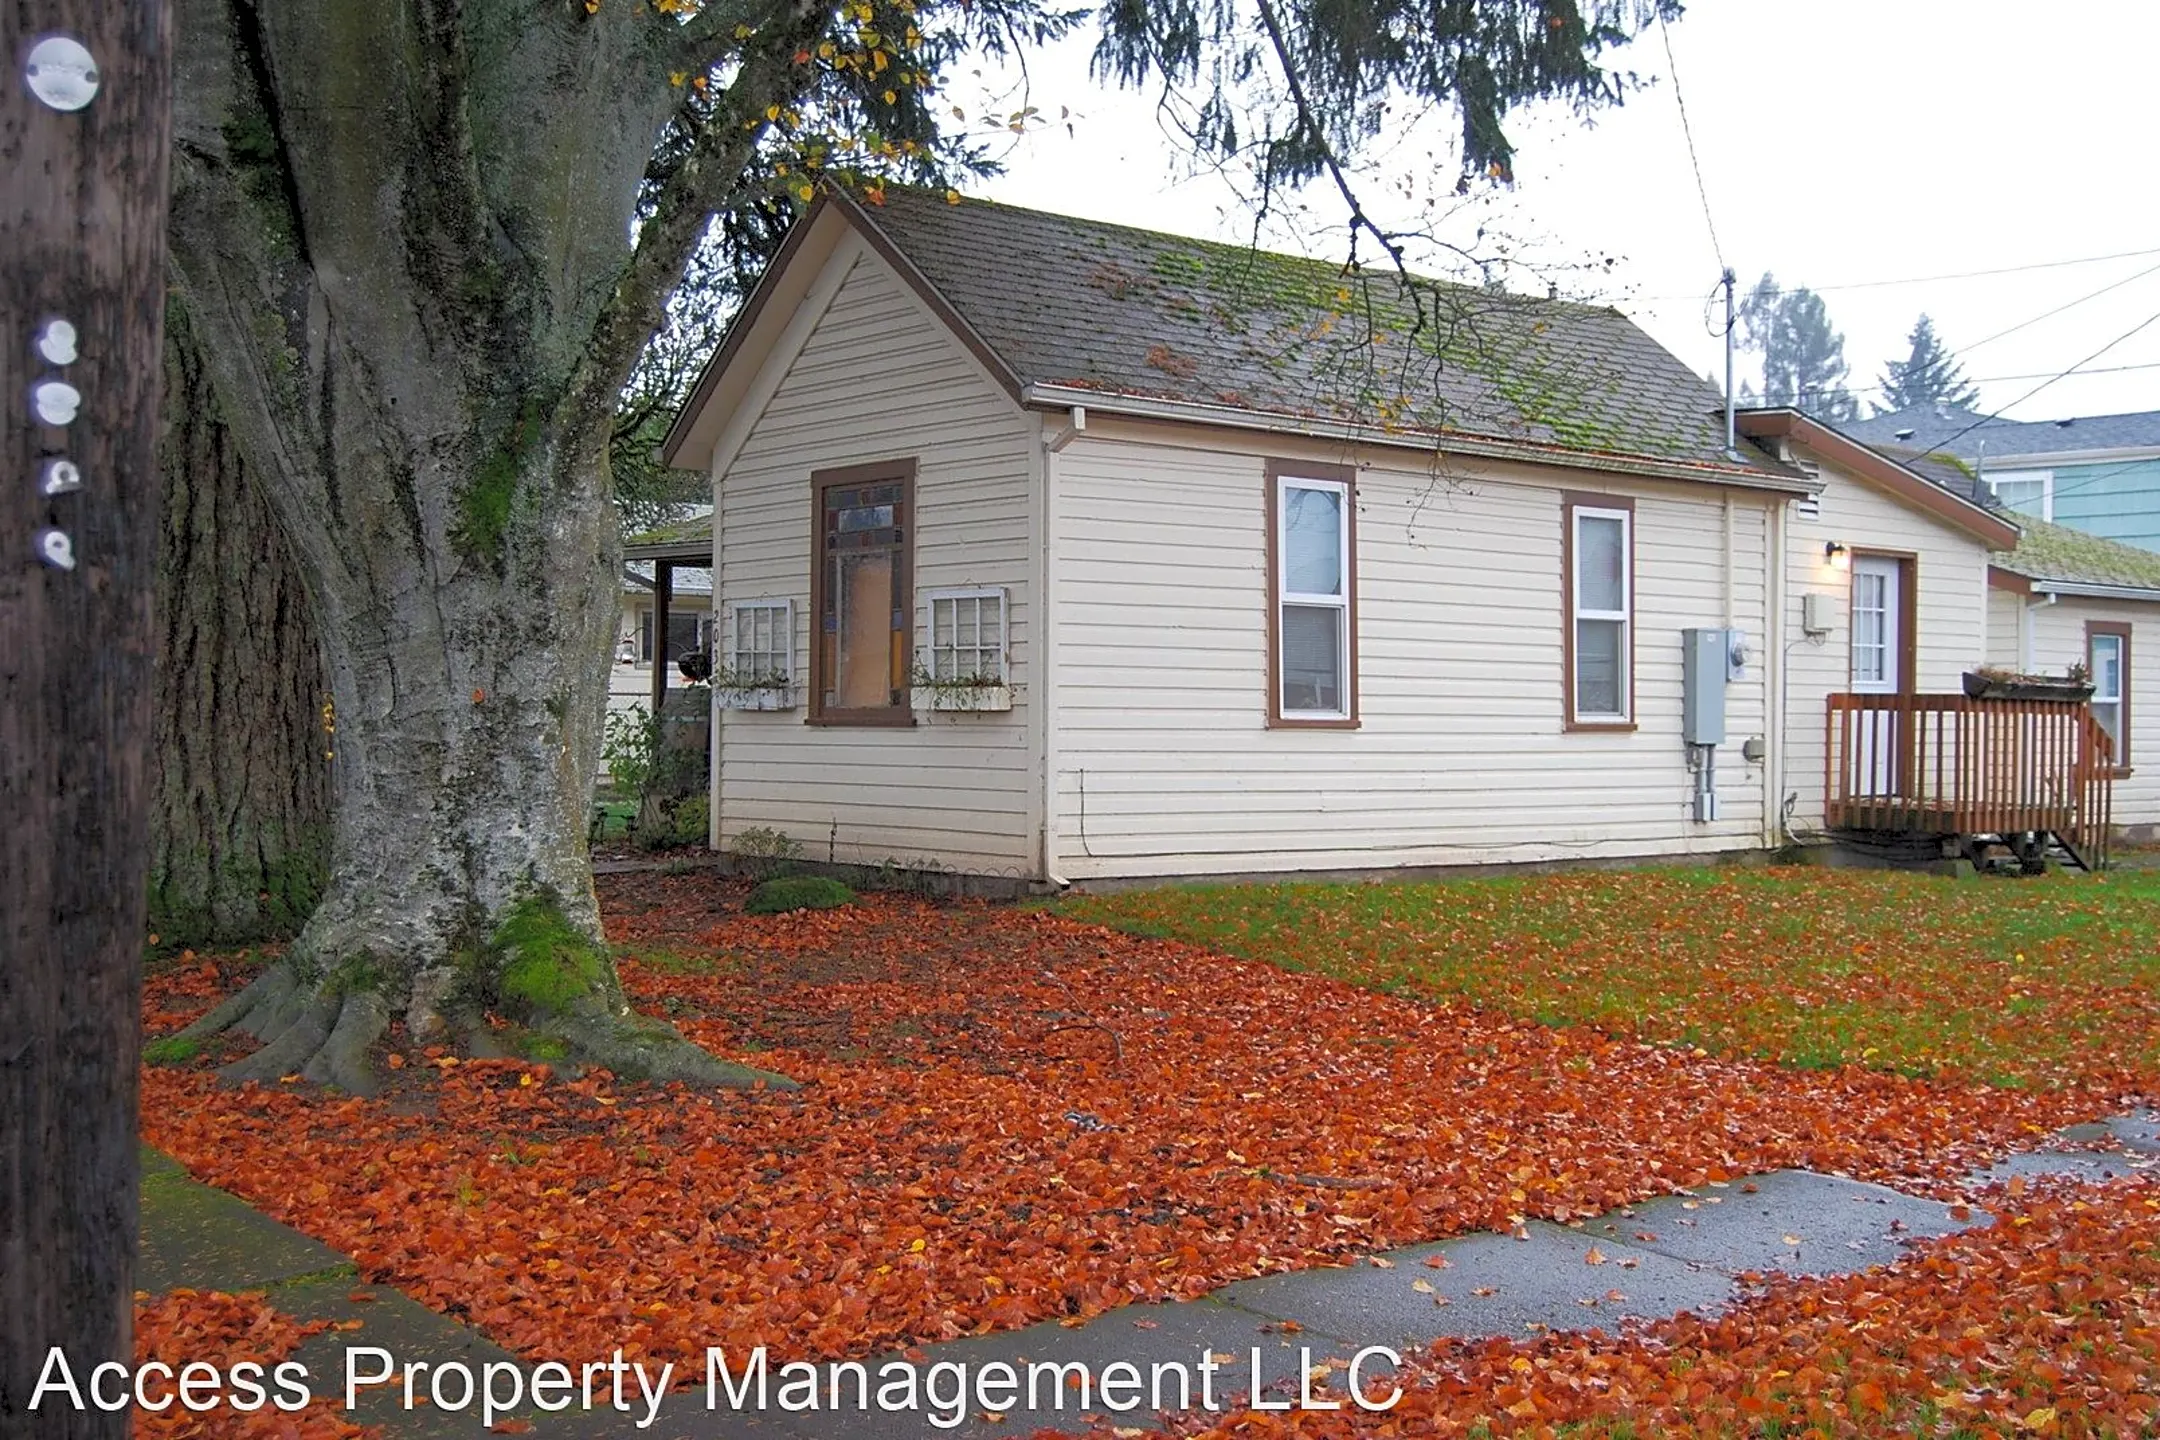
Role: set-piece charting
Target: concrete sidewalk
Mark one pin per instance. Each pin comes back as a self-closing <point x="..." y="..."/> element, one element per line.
<point x="1689" y="1251"/>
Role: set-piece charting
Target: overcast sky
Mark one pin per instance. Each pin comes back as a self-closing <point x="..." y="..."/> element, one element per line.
<point x="1854" y="146"/>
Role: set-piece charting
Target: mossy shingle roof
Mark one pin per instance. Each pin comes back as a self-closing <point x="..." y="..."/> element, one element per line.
<point x="1080" y="303"/>
<point x="2047" y="552"/>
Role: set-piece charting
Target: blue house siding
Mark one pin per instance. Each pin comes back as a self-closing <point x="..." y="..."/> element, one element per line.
<point x="2118" y="500"/>
<point x="2114" y="499"/>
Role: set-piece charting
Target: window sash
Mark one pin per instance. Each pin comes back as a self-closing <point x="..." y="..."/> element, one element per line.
<point x="862" y="588"/>
<point x="2107" y="655"/>
<point x="1309" y="684"/>
<point x="1870" y="628"/>
<point x="764" y="640"/>
<point x="1621" y="621"/>
<point x="968" y="634"/>
<point x="2030" y="492"/>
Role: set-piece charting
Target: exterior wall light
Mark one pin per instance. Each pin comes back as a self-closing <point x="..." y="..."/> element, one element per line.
<point x="1836" y="555"/>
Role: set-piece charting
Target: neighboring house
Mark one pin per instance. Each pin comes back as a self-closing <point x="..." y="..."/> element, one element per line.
<point x="681" y="552"/>
<point x="2099" y="474"/>
<point x="1093" y="553"/>
<point x="2061" y="598"/>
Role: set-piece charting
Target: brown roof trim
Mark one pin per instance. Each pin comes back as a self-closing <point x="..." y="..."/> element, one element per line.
<point x="867" y="225"/>
<point x="2010" y="580"/>
<point x="1872" y="465"/>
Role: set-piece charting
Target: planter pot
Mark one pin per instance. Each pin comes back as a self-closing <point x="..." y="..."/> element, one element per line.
<point x="761" y="699"/>
<point x="2025" y="687"/>
<point x="967" y="699"/>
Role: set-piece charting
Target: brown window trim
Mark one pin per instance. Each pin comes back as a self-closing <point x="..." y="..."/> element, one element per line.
<point x="1570" y="502"/>
<point x="2120" y="629"/>
<point x="1345" y="475"/>
<point x="877" y="472"/>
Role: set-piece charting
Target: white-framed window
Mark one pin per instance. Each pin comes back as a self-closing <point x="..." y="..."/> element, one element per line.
<point x="1601" y="609"/>
<point x="1871" y="628"/>
<point x="967" y="635"/>
<point x="761" y="643"/>
<point x="1313" y="558"/>
<point x="2107" y="652"/>
<point x="2025" y="492"/>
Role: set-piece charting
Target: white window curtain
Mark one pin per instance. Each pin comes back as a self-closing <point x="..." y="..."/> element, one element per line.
<point x="1313" y="569"/>
<point x="2107" y="682"/>
<point x="1602" y="606"/>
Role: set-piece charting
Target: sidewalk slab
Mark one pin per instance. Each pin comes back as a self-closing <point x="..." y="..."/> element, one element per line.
<point x="2092" y="1166"/>
<point x="1794" y="1221"/>
<point x="197" y="1238"/>
<point x="1144" y="1336"/>
<point x="1550" y="1279"/>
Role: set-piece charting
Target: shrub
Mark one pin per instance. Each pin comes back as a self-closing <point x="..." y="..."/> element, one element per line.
<point x="764" y="852"/>
<point x="797" y="892"/>
<point x="631" y="745"/>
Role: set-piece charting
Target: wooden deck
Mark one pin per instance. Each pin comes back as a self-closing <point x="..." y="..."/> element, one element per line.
<point x="1954" y="766"/>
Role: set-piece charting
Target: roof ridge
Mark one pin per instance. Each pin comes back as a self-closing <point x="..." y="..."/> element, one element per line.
<point x="1230" y="247"/>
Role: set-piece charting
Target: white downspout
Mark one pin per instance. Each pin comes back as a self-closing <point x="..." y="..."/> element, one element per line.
<point x="2027" y="630"/>
<point x="713" y="727"/>
<point x="1046" y="686"/>
<point x="1774" y="658"/>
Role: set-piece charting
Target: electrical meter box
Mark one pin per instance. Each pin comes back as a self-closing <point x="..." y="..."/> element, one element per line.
<point x="1702" y="685"/>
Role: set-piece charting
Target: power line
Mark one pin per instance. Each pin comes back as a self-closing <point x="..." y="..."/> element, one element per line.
<point x="1702" y="191"/>
<point x="1877" y="385"/>
<point x="1932" y="279"/>
<point x="1944" y="446"/>
<point x="2068" y="305"/>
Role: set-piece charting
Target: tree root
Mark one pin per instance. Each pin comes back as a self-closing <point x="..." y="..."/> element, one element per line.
<point x="305" y="1030"/>
<point x="639" y="1047"/>
<point x="324" y="1035"/>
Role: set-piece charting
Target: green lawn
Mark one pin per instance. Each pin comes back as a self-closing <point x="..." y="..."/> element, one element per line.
<point x="2017" y="982"/>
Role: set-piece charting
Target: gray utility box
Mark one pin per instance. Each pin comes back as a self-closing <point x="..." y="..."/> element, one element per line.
<point x="1702" y="685"/>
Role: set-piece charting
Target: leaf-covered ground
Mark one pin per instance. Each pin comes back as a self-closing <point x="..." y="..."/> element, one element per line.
<point x="2026" y="983"/>
<point x="184" y="1327"/>
<point x="2046" y="1323"/>
<point x="1007" y="1116"/>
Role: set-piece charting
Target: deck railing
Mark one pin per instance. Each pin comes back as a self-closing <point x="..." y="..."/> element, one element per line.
<point x="1953" y="765"/>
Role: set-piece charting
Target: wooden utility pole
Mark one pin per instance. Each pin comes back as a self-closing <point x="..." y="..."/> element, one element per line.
<point x="85" y="131"/>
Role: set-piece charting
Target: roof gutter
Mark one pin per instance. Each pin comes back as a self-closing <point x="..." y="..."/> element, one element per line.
<point x="2079" y="590"/>
<point x="1142" y="407"/>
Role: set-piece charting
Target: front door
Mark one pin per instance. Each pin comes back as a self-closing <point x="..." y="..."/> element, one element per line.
<point x="1878" y="657"/>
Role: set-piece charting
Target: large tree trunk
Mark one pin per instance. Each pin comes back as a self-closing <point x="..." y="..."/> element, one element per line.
<point x="82" y="281"/>
<point x="240" y="817"/>
<point x="399" y="230"/>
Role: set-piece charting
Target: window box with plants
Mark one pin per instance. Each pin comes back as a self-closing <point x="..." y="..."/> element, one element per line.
<point x="979" y="692"/>
<point x="748" y="689"/>
<point x="1991" y="682"/>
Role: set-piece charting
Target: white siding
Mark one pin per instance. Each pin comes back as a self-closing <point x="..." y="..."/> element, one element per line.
<point x="880" y="379"/>
<point x="1951" y="614"/>
<point x="2058" y="640"/>
<point x="1163" y="760"/>
<point x="2005" y="635"/>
